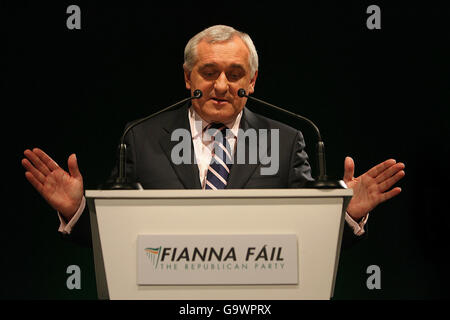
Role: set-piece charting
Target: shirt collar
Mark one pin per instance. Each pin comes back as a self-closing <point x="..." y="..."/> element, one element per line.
<point x="195" y="120"/>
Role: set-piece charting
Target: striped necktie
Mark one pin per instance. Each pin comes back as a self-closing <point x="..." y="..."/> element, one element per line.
<point x="219" y="168"/>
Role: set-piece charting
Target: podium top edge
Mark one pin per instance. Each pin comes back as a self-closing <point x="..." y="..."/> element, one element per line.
<point x="227" y="193"/>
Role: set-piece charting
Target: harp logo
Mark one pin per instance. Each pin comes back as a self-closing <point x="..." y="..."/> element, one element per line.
<point x="153" y="255"/>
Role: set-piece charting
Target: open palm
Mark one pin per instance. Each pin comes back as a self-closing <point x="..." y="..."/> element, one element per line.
<point x="62" y="190"/>
<point x="372" y="188"/>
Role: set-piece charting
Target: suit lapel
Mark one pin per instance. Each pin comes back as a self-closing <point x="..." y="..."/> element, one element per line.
<point x="241" y="173"/>
<point x="187" y="173"/>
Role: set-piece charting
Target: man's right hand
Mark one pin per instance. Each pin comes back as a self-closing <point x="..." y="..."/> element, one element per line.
<point x="62" y="190"/>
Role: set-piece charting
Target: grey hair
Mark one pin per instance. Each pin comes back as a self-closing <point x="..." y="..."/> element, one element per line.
<point x="219" y="33"/>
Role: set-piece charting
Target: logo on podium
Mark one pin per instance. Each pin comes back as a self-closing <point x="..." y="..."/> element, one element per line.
<point x="153" y="255"/>
<point x="217" y="259"/>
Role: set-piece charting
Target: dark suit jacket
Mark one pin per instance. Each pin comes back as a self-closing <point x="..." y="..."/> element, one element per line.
<point x="149" y="148"/>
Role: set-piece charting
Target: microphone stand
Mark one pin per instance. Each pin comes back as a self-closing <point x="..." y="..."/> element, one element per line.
<point x="322" y="181"/>
<point x="121" y="182"/>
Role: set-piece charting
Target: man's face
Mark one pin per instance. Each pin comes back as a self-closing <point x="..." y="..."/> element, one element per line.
<point x="222" y="68"/>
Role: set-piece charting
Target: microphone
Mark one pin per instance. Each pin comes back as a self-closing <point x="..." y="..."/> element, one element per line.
<point x="322" y="181"/>
<point x="121" y="182"/>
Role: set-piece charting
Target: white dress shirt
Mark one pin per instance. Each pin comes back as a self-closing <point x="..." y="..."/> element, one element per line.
<point x="202" y="141"/>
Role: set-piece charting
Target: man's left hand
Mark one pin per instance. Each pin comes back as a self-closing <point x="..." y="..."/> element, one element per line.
<point x="373" y="187"/>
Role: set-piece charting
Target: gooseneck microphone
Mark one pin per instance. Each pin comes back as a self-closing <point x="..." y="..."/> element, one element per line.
<point x="322" y="181"/>
<point x="121" y="182"/>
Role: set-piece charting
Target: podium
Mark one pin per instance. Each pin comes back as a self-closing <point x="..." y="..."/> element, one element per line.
<point x="221" y="227"/>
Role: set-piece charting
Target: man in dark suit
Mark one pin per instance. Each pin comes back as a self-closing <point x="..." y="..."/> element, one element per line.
<point x="218" y="61"/>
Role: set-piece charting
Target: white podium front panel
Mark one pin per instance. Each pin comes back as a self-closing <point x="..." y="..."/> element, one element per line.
<point x="316" y="217"/>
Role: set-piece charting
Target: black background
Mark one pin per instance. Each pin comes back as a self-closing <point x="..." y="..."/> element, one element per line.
<point x="375" y="94"/>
